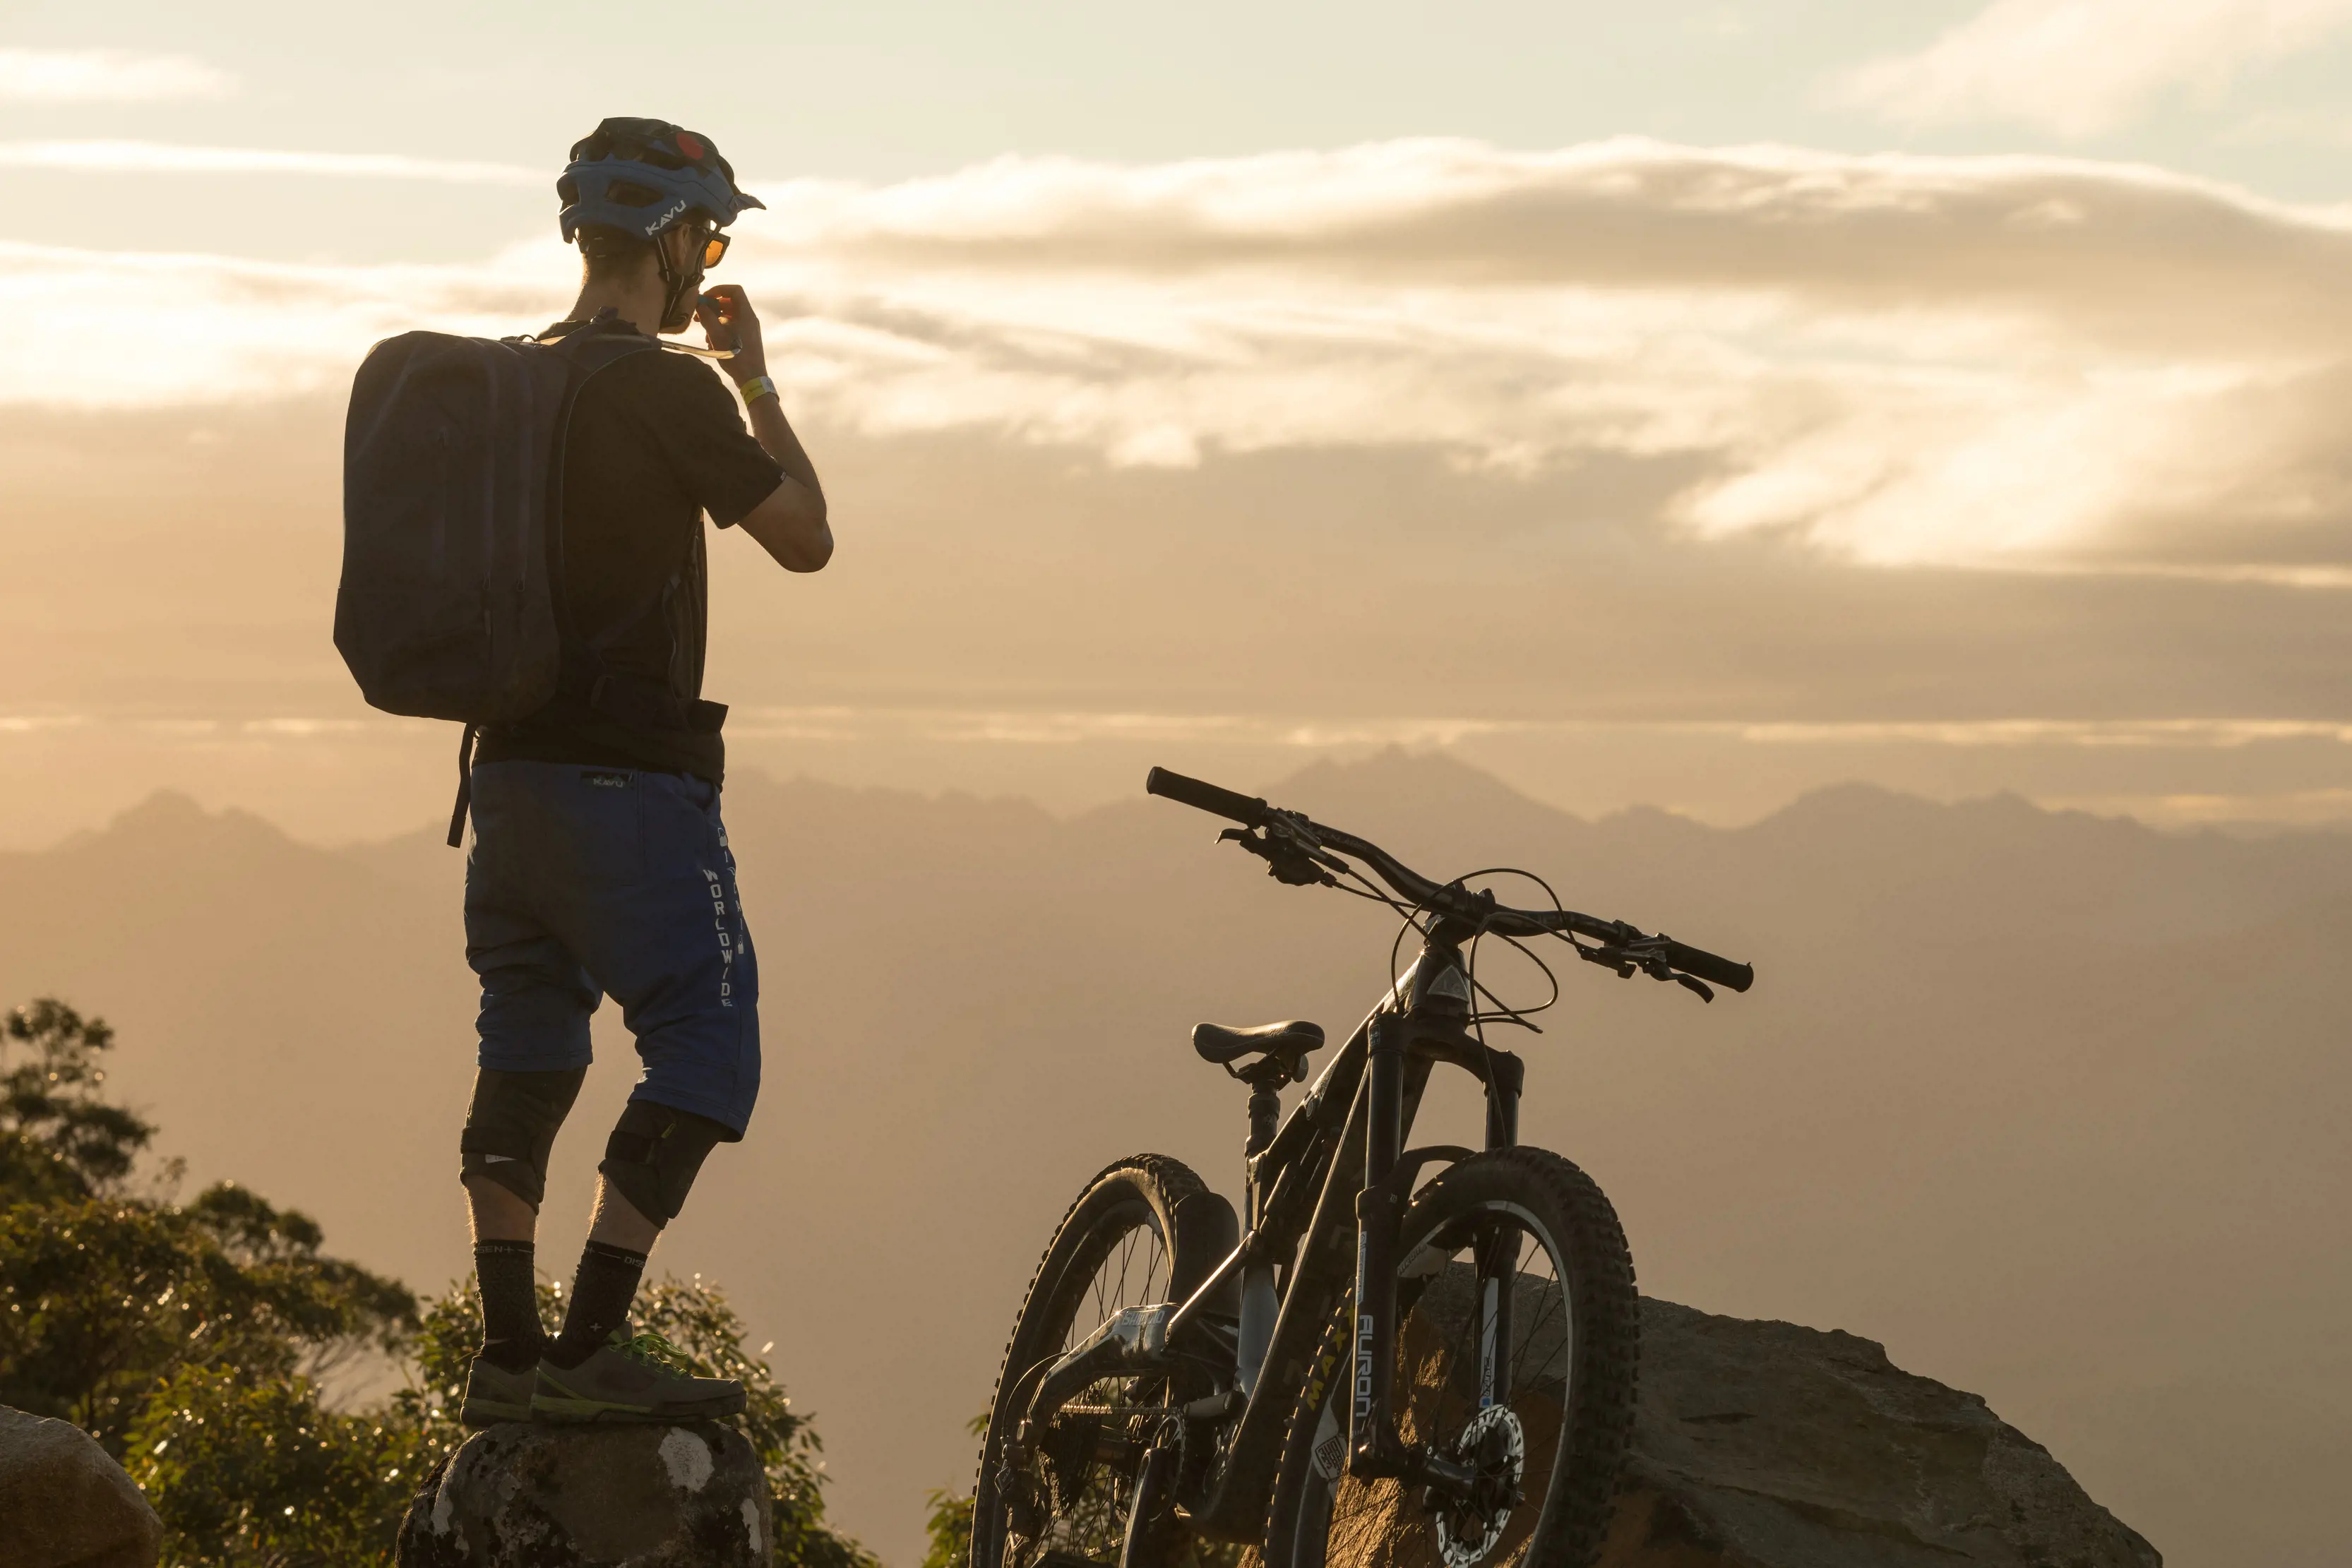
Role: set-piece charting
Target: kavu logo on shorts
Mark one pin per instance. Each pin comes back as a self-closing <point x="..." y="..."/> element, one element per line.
<point x="607" y="780"/>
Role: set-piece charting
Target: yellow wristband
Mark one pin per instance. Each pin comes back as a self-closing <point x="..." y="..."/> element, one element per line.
<point x="756" y="388"/>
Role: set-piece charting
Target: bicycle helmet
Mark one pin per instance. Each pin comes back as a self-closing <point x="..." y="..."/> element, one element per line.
<point x="642" y="176"/>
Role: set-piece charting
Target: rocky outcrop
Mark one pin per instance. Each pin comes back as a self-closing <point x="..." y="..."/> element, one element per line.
<point x="520" y="1496"/>
<point x="64" y="1503"/>
<point x="1765" y="1445"/>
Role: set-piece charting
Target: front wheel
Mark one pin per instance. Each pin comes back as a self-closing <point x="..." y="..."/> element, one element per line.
<point x="1517" y="1333"/>
<point x="1146" y="1230"/>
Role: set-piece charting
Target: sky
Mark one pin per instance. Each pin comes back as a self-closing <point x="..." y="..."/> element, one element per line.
<point x="1688" y="405"/>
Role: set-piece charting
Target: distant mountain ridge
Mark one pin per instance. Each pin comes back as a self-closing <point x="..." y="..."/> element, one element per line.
<point x="2051" y="1103"/>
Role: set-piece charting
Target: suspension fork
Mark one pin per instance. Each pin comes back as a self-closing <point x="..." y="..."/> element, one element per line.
<point x="1379" y="1215"/>
<point x="1498" y="1250"/>
<point x="1390" y="1084"/>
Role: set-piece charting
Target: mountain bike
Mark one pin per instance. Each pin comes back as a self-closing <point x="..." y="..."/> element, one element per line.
<point x="1376" y="1371"/>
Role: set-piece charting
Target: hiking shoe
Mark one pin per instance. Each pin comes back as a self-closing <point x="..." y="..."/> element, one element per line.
<point x="642" y="1377"/>
<point x="494" y="1395"/>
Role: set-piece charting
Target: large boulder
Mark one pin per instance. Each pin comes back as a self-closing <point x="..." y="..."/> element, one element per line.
<point x="1765" y="1445"/>
<point x="64" y="1503"/>
<point x="517" y="1496"/>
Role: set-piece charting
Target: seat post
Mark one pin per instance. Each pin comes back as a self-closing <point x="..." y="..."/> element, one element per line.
<point x="1260" y="1304"/>
<point x="1265" y="1111"/>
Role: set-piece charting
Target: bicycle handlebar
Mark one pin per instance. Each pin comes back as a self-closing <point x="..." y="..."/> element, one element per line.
<point x="1709" y="966"/>
<point x="1627" y="946"/>
<point x="1249" y="810"/>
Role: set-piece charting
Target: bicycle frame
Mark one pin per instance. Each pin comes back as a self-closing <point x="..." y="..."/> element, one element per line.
<point x="1336" y="1164"/>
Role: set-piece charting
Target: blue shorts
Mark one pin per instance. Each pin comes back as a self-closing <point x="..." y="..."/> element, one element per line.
<point x="585" y="883"/>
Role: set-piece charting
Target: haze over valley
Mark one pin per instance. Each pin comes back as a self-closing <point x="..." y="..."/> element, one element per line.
<point x="2047" y="1102"/>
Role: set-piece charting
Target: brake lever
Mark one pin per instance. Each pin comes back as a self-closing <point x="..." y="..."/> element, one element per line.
<point x="1286" y="863"/>
<point x="1642" y="957"/>
<point x="1300" y="834"/>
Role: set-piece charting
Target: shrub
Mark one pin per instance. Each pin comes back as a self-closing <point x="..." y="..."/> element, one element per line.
<point x="189" y="1339"/>
<point x="950" y="1528"/>
<point x="59" y="1137"/>
<point x="105" y="1301"/>
<point x="245" y="1471"/>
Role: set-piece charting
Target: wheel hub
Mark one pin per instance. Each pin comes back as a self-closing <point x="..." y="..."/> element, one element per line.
<point x="1471" y="1519"/>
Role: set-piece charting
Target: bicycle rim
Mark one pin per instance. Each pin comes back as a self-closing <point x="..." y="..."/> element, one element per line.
<point x="1437" y="1400"/>
<point x="1089" y="1456"/>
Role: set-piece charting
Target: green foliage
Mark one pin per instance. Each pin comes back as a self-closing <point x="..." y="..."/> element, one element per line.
<point x="107" y="1295"/>
<point x="189" y="1339"/>
<point x="59" y="1138"/>
<point x="107" y="1300"/>
<point x="950" y="1531"/>
<point x="245" y="1471"/>
<point x="949" y="1526"/>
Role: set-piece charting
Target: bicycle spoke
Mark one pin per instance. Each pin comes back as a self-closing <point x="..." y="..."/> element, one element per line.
<point x="1087" y="1501"/>
<point x="1384" y="1524"/>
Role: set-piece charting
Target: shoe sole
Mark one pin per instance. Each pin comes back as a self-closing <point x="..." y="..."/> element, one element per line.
<point x="568" y="1406"/>
<point x="572" y="1411"/>
<point x="479" y="1412"/>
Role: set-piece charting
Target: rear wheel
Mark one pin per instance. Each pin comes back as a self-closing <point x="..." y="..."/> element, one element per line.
<point x="1146" y="1230"/>
<point x="1547" y="1452"/>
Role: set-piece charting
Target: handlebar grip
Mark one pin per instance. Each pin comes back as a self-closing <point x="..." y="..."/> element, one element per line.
<point x="1249" y="810"/>
<point x="1706" y="965"/>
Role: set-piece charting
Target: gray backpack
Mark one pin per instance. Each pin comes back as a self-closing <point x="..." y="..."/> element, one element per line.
<point x="451" y="599"/>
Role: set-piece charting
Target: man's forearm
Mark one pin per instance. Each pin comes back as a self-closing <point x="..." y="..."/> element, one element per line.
<point x="791" y="524"/>
<point x="774" y="432"/>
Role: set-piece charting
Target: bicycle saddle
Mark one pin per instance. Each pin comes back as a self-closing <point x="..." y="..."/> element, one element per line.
<point x="1285" y="1042"/>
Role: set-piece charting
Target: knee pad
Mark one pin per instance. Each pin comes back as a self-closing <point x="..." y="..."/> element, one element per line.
<point x="510" y="1127"/>
<point x="654" y="1153"/>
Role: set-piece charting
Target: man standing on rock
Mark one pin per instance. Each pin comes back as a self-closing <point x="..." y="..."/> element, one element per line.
<point x="600" y="866"/>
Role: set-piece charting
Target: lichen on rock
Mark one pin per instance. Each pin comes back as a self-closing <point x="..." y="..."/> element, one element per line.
<point x="650" y="1496"/>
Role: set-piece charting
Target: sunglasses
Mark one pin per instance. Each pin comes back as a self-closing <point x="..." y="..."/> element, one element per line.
<point x="714" y="245"/>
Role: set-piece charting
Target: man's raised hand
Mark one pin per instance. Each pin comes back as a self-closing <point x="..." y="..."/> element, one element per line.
<point x="727" y="322"/>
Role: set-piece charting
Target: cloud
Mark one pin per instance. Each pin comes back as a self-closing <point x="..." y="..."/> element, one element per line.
<point x="1030" y="725"/>
<point x="2057" y="364"/>
<point x="2325" y="808"/>
<point x="209" y="329"/>
<point x="2199" y="734"/>
<point x="1072" y="727"/>
<point x="105" y="75"/>
<point x="168" y="157"/>
<point x="2079" y="68"/>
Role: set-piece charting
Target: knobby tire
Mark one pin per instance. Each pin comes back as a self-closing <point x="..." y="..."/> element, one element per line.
<point x="1318" y="1519"/>
<point x="1090" y="1269"/>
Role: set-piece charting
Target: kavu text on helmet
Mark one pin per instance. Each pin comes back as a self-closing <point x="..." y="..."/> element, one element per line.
<point x="636" y="179"/>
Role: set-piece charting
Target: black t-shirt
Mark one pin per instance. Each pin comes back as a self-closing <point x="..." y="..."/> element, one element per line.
<point x="655" y="442"/>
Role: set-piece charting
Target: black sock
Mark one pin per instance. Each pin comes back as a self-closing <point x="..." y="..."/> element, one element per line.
<point x="601" y="1293"/>
<point x="511" y="1335"/>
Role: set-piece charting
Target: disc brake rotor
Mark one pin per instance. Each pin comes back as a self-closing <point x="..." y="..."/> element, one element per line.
<point x="1470" y="1525"/>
